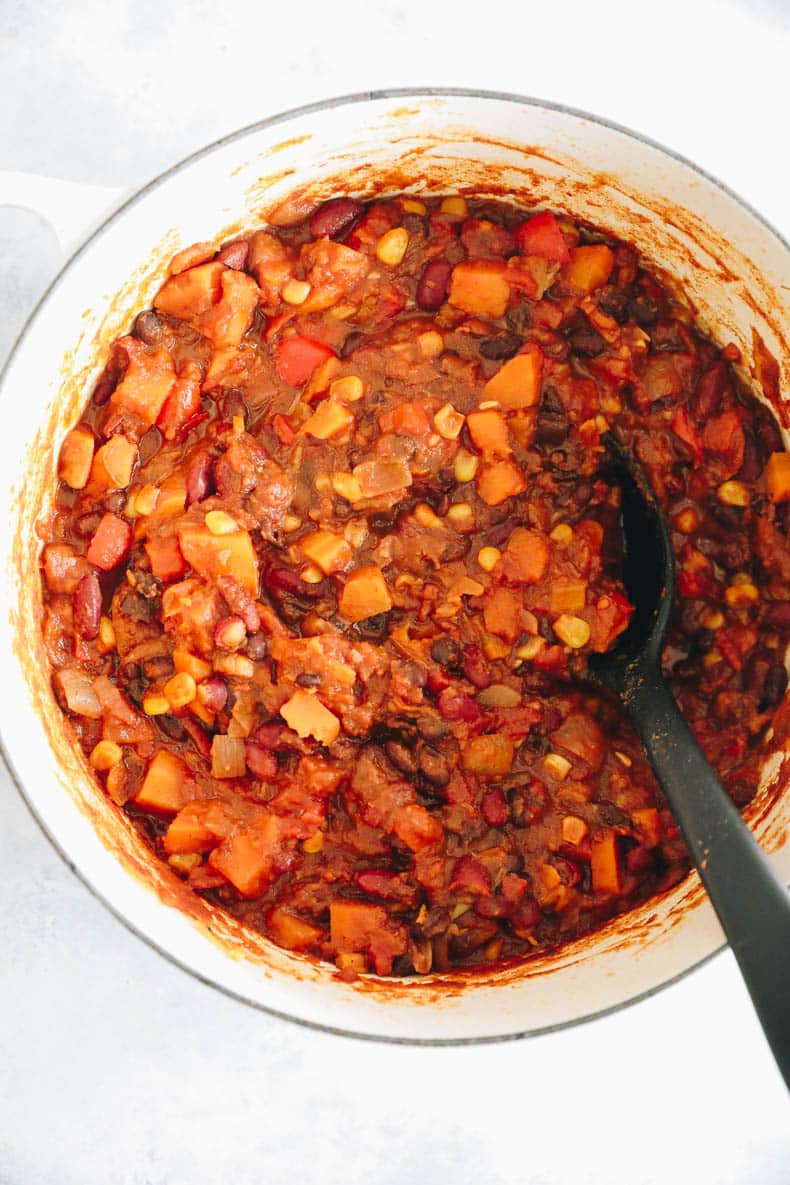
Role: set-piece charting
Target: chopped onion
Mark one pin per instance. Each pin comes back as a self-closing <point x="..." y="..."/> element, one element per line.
<point x="499" y="695"/>
<point x="227" y="757"/>
<point x="76" y="688"/>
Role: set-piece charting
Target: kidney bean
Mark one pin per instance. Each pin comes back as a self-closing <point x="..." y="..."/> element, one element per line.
<point x="777" y="616"/>
<point x="753" y="460"/>
<point x="199" y="478"/>
<point x="433" y="283"/>
<point x="401" y="756"/>
<point x="499" y="535"/>
<point x="256" y="647"/>
<point x="446" y="652"/>
<point x="432" y="728"/>
<point x="86" y="524"/>
<point x="86" y="606"/>
<point x="766" y="428"/>
<point x="235" y="255"/>
<point x="526" y="916"/>
<point x="335" y="218"/>
<point x="198" y="737"/>
<point x="476" y="667"/>
<point x="639" y="860"/>
<point x="492" y="907"/>
<point x="551" y="426"/>
<point x="241" y="602"/>
<point x="494" y="808"/>
<point x="434" y="767"/>
<point x="775" y="685"/>
<point x="709" y="392"/>
<point x="260" y="761"/>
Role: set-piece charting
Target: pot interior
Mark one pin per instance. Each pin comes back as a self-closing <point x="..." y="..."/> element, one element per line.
<point x="732" y="267"/>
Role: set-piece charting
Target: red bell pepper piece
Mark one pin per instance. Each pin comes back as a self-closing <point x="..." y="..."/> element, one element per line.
<point x="297" y="358"/>
<point x="541" y="235"/>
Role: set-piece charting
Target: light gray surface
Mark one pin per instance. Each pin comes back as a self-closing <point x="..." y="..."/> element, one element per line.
<point x="114" y="1065"/>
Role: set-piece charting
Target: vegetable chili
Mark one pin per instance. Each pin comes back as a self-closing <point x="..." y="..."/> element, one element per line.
<point x="331" y="545"/>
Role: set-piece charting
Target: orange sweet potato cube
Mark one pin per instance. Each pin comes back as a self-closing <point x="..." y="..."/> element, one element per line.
<point x="198" y="827"/>
<point x="167" y="785"/>
<point x="146" y="383"/>
<point x="307" y="716"/>
<point x="489" y="432"/>
<point x="328" y="419"/>
<point x="516" y="385"/>
<point x="491" y="756"/>
<point x="76" y="456"/>
<point x="291" y="932"/>
<point x="526" y="558"/>
<point x="247" y="857"/>
<point x="164" y="555"/>
<point x="605" y="864"/>
<point x="229" y="319"/>
<point x="648" y="821"/>
<point x="191" y="292"/>
<point x="501" y="613"/>
<point x="590" y="266"/>
<point x="353" y="924"/>
<point x="365" y="594"/>
<point x="777" y="477"/>
<point x="500" y="481"/>
<point x="113" y="463"/>
<point x="567" y="595"/>
<point x="480" y="288"/>
<point x="328" y="551"/>
<point x="220" y="555"/>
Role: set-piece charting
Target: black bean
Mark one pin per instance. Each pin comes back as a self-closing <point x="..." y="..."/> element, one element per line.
<point x="584" y="338"/>
<point x="644" y="310"/>
<point x="150" y="444"/>
<point x="350" y="344"/>
<point x="256" y="647"/>
<point x="434" y="767"/>
<point x="775" y="685"/>
<point x="401" y="756"/>
<point x="496" y="348"/>
<point x="170" y="727"/>
<point x="149" y="328"/>
<point x="614" y="302"/>
<point x="373" y="628"/>
<point x="433" y="728"/>
<point x="308" y="679"/>
<point x="446" y="652"/>
<point x="551" y="426"/>
<point x="730" y="517"/>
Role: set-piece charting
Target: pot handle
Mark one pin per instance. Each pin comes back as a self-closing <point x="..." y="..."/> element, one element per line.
<point x="72" y="208"/>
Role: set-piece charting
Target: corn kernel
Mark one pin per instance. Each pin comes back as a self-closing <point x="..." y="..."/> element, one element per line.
<point x="686" y="521"/>
<point x="562" y="533"/>
<point x="466" y="465"/>
<point x="738" y="596"/>
<point x="295" y="292"/>
<point x="220" y="523"/>
<point x="391" y="247"/>
<point x="314" y="843"/>
<point x="574" y="829"/>
<point x="488" y="404"/>
<point x="156" y="704"/>
<point x="238" y="425"/>
<point x="291" y="523"/>
<point x="455" y="205"/>
<point x="712" y="619"/>
<point x="347" y="486"/>
<point x="556" y="766"/>
<point x="198" y="668"/>
<point x="573" y="631"/>
<point x="431" y="344"/>
<point x="184" y="861"/>
<point x="448" y="422"/>
<point x="180" y="690"/>
<point x="237" y="666"/>
<point x="711" y="659"/>
<point x="623" y="758"/>
<point x="494" y="647"/>
<point x="348" y="389"/>
<point x="733" y="493"/>
<point x="106" y="634"/>
<point x="461" y="516"/>
<point x="413" y="206"/>
<point x="105" y="755"/>
<point x="530" y="649"/>
<point x="488" y="558"/>
<point x="145" y="500"/>
<point x="311" y="574"/>
<point x="426" y="517"/>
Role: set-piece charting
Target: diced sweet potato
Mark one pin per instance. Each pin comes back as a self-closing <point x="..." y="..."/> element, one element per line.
<point x="526" y="558"/>
<point x="470" y="876"/>
<point x="271" y="263"/>
<point x="332" y="270"/>
<point x="501" y="613"/>
<point x="590" y="266"/>
<point x="213" y="556"/>
<point x="409" y="419"/>
<point x="307" y="716"/>
<point x="648" y="821"/>
<point x="164" y="554"/>
<point x="291" y="932"/>
<point x="329" y="419"/>
<point x="517" y="384"/>
<point x="605" y="864"/>
<point x="113" y="463"/>
<point x="416" y="827"/>
<point x="167" y="785"/>
<point x="491" y="756"/>
<point x="146" y="383"/>
<point x="229" y="319"/>
<point x="248" y="858"/>
<point x="567" y="595"/>
<point x="63" y="568"/>
<point x="352" y="924"/>
<point x="365" y="594"/>
<point x="489" y="432"/>
<point x="192" y="292"/>
<point x="381" y="476"/>
<point x="480" y="288"/>
<point x="496" y="483"/>
<point x="199" y="827"/>
<point x="110" y="543"/>
<point x="76" y="456"/>
<point x="328" y="551"/>
<point x="777" y="477"/>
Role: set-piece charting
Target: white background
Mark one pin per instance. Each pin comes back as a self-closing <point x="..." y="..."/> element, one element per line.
<point x="115" y="1067"/>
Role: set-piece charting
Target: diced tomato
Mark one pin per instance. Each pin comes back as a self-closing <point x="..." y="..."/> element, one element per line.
<point x="683" y="427"/>
<point x="471" y="876"/>
<point x="541" y="235"/>
<point x="297" y="358"/>
<point x="181" y="405"/>
<point x="110" y="543"/>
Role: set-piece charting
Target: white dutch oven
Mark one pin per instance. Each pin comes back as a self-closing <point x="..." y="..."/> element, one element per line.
<point x="735" y="269"/>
